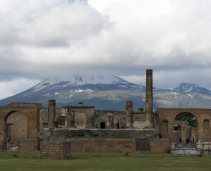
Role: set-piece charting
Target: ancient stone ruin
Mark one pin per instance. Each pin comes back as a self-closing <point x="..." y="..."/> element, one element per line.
<point x="56" y="132"/>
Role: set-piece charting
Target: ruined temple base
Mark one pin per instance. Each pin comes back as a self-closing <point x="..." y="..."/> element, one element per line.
<point x="55" y="149"/>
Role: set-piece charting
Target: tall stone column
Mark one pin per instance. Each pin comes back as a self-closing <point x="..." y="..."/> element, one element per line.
<point x="51" y="113"/>
<point x="149" y="98"/>
<point x="129" y="114"/>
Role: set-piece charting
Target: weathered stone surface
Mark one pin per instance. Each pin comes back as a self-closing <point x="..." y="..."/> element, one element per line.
<point x="149" y="98"/>
<point x="69" y="134"/>
<point x="160" y="146"/>
<point x="28" y="145"/>
<point x="18" y="121"/>
<point x="116" y="145"/>
<point x="169" y="115"/>
<point x="55" y="149"/>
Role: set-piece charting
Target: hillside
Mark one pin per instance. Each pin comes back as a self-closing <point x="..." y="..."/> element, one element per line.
<point x="110" y="92"/>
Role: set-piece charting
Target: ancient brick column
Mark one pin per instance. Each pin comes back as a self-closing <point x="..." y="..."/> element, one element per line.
<point x="129" y="114"/>
<point x="149" y="98"/>
<point x="51" y="113"/>
<point x="183" y="131"/>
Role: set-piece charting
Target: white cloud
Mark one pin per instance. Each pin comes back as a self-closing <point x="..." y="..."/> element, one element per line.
<point x="44" y="38"/>
<point x="62" y="25"/>
<point x="15" y="86"/>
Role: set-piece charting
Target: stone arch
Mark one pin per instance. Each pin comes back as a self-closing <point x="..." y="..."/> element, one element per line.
<point x="60" y="121"/>
<point x="15" y="127"/>
<point x="171" y="113"/>
<point x="185" y="128"/>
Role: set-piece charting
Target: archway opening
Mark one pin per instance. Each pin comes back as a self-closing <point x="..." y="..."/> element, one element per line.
<point x="60" y="122"/>
<point x="185" y="128"/>
<point x="15" y="129"/>
<point x="102" y="125"/>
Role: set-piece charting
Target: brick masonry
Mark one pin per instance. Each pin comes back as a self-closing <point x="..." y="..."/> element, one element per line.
<point x="28" y="145"/>
<point x="160" y="146"/>
<point x="103" y="146"/>
<point x="23" y="118"/>
<point x="169" y="114"/>
<point x="55" y="149"/>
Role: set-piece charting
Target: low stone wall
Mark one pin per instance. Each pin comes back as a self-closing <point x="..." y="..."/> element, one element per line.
<point x="101" y="140"/>
<point x="185" y="151"/>
<point x="103" y="145"/>
<point x="160" y="146"/>
<point x="97" y="134"/>
<point x="28" y="145"/>
<point x="55" y="149"/>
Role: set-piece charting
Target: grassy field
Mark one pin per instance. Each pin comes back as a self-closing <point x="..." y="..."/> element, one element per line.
<point x="105" y="162"/>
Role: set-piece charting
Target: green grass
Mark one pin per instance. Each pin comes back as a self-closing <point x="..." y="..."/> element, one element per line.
<point x="105" y="162"/>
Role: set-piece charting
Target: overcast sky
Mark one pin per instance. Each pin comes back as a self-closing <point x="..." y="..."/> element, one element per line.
<point x="48" y="38"/>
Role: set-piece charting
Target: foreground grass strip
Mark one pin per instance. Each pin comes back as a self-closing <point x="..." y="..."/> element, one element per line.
<point x="105" y="162"/>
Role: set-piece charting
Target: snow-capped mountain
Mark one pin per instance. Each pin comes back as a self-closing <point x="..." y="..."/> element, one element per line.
<point x="110" y="93"/>
<point x="92" y="82"/>
<point x="96" y="90"/>
<point x="193" y="88"/>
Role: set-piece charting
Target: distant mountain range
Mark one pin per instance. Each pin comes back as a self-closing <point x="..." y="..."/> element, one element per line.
<point x="110" y="93"/>
<point x="193" y="88"/>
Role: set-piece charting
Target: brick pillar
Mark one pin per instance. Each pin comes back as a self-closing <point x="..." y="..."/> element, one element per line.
<point x="183" y="131"/>
<point x="51" y="113"/>
<point x="129" y="114"/>
<point x="149" y="98"/>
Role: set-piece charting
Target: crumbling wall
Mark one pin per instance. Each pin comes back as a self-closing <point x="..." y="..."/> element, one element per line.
<point x="98" y="140"/>
<point x="18" y="121"/>
<point x="160" y="146"/>
<point x="139" y="120"/>
<point x="17" y="126"/>
<point x="117" y="118"/>
<point x="83" y="117"/>
<point x="43" y="117"/>
<point x="116" y="145"/>
<point x="203" y="116"/>
<point x="28" y="145"/>
<point x="55" y="149"/>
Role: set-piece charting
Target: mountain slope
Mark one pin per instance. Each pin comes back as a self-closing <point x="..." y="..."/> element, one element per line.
<point x="74" y="89"/>
<point x="110" y="93"/>
<point x="193" y="88"/>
